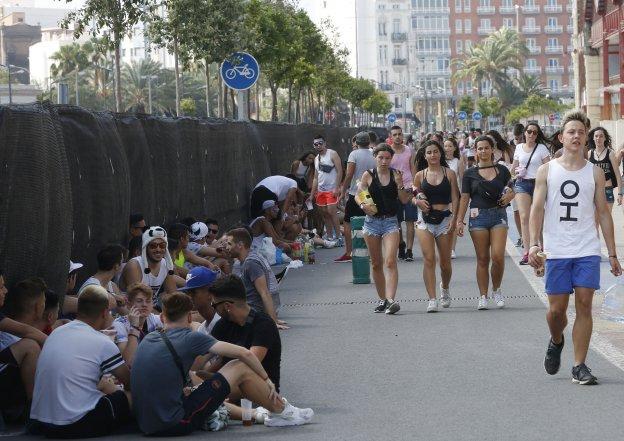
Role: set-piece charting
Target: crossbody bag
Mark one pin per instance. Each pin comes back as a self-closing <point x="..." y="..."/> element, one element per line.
<point x="186" y="379"/>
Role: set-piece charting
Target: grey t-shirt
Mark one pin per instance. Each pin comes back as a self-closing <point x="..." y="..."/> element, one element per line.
<point x="253" y="267"/>
<point x="156" y="380"/>
<point x="363" y="160"/>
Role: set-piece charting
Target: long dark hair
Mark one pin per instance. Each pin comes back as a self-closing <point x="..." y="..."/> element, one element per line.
<point x="540" y="138"/>
<point x="306" y="154"/>
<point x="501" y="144"/>
<point x="555" y="144"/>
<point x="590" y="138"/>
<point x="452" y="140"/>
<point x="421" y="161"/>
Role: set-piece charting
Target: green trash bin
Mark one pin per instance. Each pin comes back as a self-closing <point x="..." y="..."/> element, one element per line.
<point x="360" y="261"/>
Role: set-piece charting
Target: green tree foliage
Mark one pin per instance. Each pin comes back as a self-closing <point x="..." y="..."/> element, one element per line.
<point x="530" y="85"/>
<point x="189" y="106"/>
<point x="377" y="103"/>
<point x="466" y="104"/>
<point x="488" y="106"/>
<point x="534" y="105"/>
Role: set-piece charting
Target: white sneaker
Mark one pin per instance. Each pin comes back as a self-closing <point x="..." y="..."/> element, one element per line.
<point x="432" y="306"/>
<point x="261" y="415"/>
<point x="499" y="299"/>
<point x="329" y="244"/>
<point x="483" y="303"/>
<point x="445" y="297"/>
<point x="290" y="416"/>
<point x="453" y="255"/>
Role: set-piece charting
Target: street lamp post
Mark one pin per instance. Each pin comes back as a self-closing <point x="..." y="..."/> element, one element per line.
<point x="8" y="67"/>
<point x="149" y="90"/>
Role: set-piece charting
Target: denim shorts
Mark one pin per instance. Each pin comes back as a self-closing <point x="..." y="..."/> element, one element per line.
<point x="609" y="195"/>
<point x="436" y="230"/>
<point x="487" y="219"/>
<point x="407" y="212"/>
<point x="380" y="226"/>
<point x="524" y="186"/>
<point x="563" y="275"/>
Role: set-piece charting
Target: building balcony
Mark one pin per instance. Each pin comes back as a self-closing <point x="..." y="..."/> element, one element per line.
<point x="399" y="61"/>
<point x="398" y="37"/>
<point x="433" y="10"/>
<point x="535" y="70"/>
<point x="532" y="9"/>
<point x="553" y="9"/>
<point x="534" y="50"/>
<point x="425" y="52"/>
<point x="425" y="32"/>
<point x="557" y="29"/>
<point x="554" y="70"/>
<point x="553" y="49"/>
<point x="434" y="73"/>
<point x="486" y="10"/>
<point x="507" y="10"/>
<point x="531" y="30"/>
<point x="485" y="31"/>
<point x="569" y="7"/>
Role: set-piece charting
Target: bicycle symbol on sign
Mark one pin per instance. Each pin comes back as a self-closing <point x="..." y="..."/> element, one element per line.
<point x="244" y="71"/>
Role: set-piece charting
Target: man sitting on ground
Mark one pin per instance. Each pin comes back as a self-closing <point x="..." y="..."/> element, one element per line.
<point x="109" y="260"/>
<point x="70" y="299"/>
<point x="169" y="410"/>
<point x="71" y="397"/>
<point x="197" y="284"/>
<point x="136" y="225"/>
<point x="258" y="278"/>
<point x="140" y="321"/>
<point x="186" y="258"/>
<point x="242" y="325"/>
<point x="203" y="244"/>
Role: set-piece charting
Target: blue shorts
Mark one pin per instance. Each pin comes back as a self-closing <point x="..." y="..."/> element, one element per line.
<point x="436" y="230"/>
<point x="488" y="218"/>
<point x="407" y="212"/>
<point x="380" y="226"/>
<point x="609" y="195"/>
<point x="563" y="275"/>
<point x="524" y="186"/>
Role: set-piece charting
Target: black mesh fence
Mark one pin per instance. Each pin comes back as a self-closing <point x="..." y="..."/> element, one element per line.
<point x="69" y="178"/>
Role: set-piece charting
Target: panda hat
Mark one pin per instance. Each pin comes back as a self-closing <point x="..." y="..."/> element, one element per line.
<point x="149" y="235"/>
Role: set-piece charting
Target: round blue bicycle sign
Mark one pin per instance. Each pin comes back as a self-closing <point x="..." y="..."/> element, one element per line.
<point x="240" y="71"/>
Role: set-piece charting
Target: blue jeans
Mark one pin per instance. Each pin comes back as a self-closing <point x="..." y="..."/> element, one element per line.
<point x="380" y="226"/>
<point x="524" y="186"/>
<point x="488" y="218"/>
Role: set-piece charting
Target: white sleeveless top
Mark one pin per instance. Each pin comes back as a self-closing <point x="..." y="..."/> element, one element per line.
<point x="453" y="164"/>
<point x="326" y="181"/>
<point x="256" y="241"/>
<point x="569" y="217"/>
<point x="154" y="282"/>
<point x="302" y="170"/>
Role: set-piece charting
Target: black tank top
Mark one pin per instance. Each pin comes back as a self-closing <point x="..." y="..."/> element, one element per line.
<point x="604" y="164"/>
<point x="437" y="194"/>
<point x="385" y="197"/>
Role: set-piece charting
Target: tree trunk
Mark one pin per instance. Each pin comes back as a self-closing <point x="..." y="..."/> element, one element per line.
<point x="311" y="103"/>
<point x="297" y="108"/>
<point x="220" y="109"/>
<point x="290" y="102"/>
<point x="117" y="72"/>
<point x="273" y="102"/>
<point x="207" y="87"/>
<point x="258" y="100"/>
<point x="225" y="101"/>
<point x="177" y="76"/>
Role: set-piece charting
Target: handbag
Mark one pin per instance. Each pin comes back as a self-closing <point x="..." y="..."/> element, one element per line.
<point x="435" y="217"/>
<point x="186" y="379"/>
<point x="526" y="167"/>
<point x="325" y="168"/>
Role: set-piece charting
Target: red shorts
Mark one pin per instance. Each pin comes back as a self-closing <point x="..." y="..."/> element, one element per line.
<point x="325" y="198"/>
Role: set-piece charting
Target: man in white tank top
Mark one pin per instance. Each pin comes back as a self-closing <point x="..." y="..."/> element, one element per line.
<point x="569" y="197"/>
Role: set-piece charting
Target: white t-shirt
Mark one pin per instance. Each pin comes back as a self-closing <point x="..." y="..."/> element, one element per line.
<point x="278" y="185"/>
<point x="93" y="281"/>
<point x="523" y="157"/>
<point x="122" y="326"/>
<point x="206" y="328"/>
<point x="71" y="363"/>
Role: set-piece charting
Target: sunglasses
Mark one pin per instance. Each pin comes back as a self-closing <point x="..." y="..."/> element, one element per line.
<point x="213" y="231"/>
<point x="531" y="132"/>
<point x="153" y="246"/>
<point x="318" y="143"/>
<point x="215" y="304"/>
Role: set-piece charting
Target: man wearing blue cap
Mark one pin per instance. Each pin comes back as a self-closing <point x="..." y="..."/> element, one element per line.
<point x="198" y="282"/>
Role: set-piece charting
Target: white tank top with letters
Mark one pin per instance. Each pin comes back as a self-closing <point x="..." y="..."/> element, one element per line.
<point x="569" y="217"/>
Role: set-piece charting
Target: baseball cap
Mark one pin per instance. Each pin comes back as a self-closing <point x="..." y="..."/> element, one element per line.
<point x="73" y="266"/>
<point x="199" y="230"/>
<point x="268" y="204"/>
<point x="198" y="277"/>
<point x="362" y="138"/>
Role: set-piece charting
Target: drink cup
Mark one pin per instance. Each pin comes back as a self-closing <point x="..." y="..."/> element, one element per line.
<point x="539" y="272"/>
<point x="246" y="406"/>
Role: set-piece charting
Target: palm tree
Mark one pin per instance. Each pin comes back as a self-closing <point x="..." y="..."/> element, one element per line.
<point x="69" y="59"/>
<point x="135" y="87"/>
<point x="530" y="85"/>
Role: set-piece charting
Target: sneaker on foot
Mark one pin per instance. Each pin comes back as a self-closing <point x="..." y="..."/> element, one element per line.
<point x="519" y="242"/>
<point x="343" y="258"/>
<point x="499" y="299"/>
<point x="402" y="250"/>
<point x="483" y="303"/>
<point x="381" y="306"/>
<point x="524" y="260"/>
<point x="581" y="374"/>
<point x="329" y="244"/>
<point x="392" y="308"/>
<point x="552" y="361"/>
<point x="290" y="416"/>
<point x="453" y="255"/>
<point x="261" y="414"/>
<point x="445" y="297"/>
<point x="409" y="257"/>
<point x="432" y="306"/>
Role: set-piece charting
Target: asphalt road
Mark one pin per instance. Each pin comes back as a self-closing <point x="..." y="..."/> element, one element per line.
<point x="459" y="374"/>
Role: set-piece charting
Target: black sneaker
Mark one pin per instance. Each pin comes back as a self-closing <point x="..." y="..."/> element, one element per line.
<point x="381" y="306"/>
<point x="409" y="257"/>
<point x="581" y="374"/>
<point x="552" y="361"/>
<point x="402" y="250"/>
<point x="519" y="243"/>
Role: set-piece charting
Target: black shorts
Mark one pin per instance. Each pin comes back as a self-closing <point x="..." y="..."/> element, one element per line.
<point x="258" y="196"/>
<point x="201" y="403"/>
<point x="352" y="209"/>
<point x="12" y="392"/>
<point x="109" y="413"/>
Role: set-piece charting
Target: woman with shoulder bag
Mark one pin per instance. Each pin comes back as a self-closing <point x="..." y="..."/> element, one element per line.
<point x="438" y="199"/>
<point x="527" y="159"/>
<point x="487" y="188"/>
<point x="381" y="227"/>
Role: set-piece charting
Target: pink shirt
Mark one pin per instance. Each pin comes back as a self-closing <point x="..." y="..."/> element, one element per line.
<point x="401" y="162"/>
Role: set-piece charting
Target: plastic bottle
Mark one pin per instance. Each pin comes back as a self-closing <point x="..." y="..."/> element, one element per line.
<point x="311" y="255"/>
<point x="613" y="304"/>
<point x="306" y="252"/>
